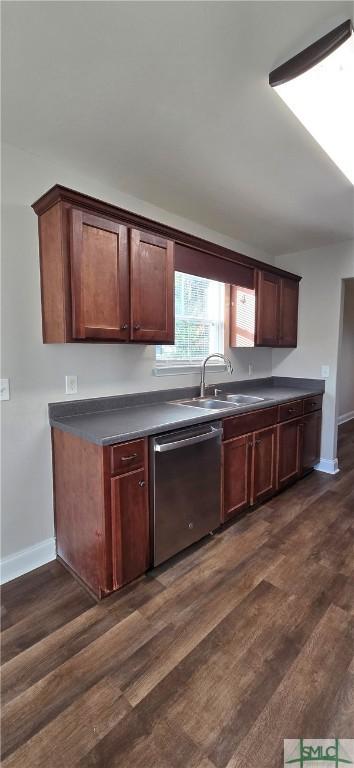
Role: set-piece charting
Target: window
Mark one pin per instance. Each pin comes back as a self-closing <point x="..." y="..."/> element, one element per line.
<point x="199" y="321"/>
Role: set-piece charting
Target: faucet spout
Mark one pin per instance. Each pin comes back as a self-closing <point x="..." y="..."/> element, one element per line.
<point x="226" y="360"/>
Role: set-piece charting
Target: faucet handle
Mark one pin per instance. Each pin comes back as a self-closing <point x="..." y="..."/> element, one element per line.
<point x="217" y="391"/>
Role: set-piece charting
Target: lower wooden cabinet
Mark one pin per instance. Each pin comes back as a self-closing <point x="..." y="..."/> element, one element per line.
<point x="237" y="474"/>
<point x="101" y="510"/>
<point x="130" y="527"/>
<point x="249" y="469"/>
<point x="260" y="462"/>
<point x="101" y="492"/>
<point x="311" y="441"/>
<point x="289" y="447"/>
<point x="264" y="464"/>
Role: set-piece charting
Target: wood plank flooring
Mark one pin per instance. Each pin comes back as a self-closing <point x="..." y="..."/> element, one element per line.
<point x="207" y="662"/>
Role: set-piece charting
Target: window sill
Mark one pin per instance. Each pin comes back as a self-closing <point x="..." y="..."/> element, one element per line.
<point x="180" y="369"/>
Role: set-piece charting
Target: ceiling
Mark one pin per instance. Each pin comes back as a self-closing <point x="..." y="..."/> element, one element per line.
<point x="170" y="102"/>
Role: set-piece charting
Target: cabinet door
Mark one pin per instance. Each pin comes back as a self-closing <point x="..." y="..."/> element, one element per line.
<point x="99" y="277"/>
<point x="130" y="527"/>
<point x="152" y="288"/>
<point x="311" y="440"/>
<point x="263" y="464"/>
<point x="289" y="441"/>
<point x="289" y="300"/>
<point x="236" y="475"/>
<point x="267" y="309"/>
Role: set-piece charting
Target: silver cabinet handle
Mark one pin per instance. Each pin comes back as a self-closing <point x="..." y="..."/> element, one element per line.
<point x="129" y="458"/>
<point x="163" y="447"/>
<point x="141" y="483"/>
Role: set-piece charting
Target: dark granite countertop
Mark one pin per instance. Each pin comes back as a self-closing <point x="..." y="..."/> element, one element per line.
<point x="106" y="421"/>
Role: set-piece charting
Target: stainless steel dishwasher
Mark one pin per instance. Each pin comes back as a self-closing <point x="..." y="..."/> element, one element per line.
<point x="185" y="486"/>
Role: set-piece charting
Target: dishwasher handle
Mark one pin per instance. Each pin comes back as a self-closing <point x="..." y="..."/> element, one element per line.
<point x="163" y="447"/>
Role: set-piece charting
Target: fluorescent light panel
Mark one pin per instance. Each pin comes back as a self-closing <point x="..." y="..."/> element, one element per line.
<point x="322" y="98"/>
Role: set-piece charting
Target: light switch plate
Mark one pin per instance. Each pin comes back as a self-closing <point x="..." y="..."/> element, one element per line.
<point x="4" y="389"/>
<point x="324" y="371"/>
<point x="70" y="385"/>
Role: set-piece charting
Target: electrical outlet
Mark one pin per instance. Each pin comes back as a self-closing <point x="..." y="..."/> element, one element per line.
<point x="4" y="389"/>
<point x="250" y="369"/>
<point x="324" y="371"/>
<point x="70" y="385"/>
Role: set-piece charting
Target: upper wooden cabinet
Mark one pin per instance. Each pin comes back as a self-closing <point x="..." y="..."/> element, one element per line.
<point x="267" y="309"/>
<point x="152" y="284"/>
<point x="276" y="310"/>
<point x="99" y="277"/>
<point x="102" y="280"/>
<point x="265" y="316"/>
<point x="107" y="274"/>
<point x="288" y="312"/>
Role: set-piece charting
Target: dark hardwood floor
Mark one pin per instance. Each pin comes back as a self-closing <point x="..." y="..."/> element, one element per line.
<point x="209" y="662"/>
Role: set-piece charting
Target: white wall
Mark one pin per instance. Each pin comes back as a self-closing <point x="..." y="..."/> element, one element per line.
<point x="346" y="356"/>
<point x="322" y="270"/>
<point x="37" y="371"/>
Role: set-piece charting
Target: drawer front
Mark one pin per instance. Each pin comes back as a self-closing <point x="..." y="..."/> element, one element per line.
<point x="290" y="410"/>
<point x="249" y="422"/>
<point x="313" y="403"/>
<point x="127" y="456"/>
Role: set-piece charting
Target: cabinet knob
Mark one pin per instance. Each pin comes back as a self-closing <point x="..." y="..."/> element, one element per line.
<point x="291" y="410"/>
<point x="258" y="441"/>
<point x="141" y="483"/>
<point x="136" y="327"/>
<point x="124" y="326"/>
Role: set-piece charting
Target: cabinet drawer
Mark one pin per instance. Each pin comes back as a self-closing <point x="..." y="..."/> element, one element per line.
<point x="249" y="422"/>
<point x="313" y="403"/>
<point x="290" y="410"/>
<point x="127" y="456"/>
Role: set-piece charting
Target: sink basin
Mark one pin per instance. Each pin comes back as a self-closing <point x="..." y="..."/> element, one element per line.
<point x="245" y="399"/>
<point x="206" y="402"/>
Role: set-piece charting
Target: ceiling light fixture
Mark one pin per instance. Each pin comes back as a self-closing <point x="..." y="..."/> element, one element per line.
<point x="318" y="86"/>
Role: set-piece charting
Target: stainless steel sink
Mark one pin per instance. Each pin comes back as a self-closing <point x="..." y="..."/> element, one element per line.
<point x="245" y="399"/>
<point x="223" y="401"/>
<point x="207" y="402"/>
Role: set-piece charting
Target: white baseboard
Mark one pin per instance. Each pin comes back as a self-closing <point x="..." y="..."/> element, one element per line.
<point x="330" y="466"/>
<point x="27" y="559"/>
<point x="345" y="417"/>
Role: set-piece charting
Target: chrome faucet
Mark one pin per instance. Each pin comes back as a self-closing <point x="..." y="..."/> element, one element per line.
<point x="226" y="360"/>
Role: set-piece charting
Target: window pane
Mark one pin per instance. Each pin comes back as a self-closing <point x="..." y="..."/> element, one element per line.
<point x="199" y="319"/>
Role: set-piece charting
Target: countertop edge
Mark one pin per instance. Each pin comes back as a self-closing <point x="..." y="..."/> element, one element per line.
<point x="64" y="425"/>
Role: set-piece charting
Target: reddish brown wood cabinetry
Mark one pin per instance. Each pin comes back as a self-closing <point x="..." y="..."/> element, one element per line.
<point x="249" y="461"/>
<point x="267" y="315"/>
<point x="311" y="440"/>
<point x="267" y="449"/>
<point x="277" y="301"/>
<point x="152" y="294"/>
<point x="289" y="447"/>
<point x="237" y="475"/>
<point x="101" y="492"/>
<point x="101" y="510"/>
<point x="99" y="277"/>
<point x="288" y="312"/>
<point x="267" y="309"/>
<point x="263" y="464"/>
<point x="103" y="281"/>
<point x="130" y="527"/>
